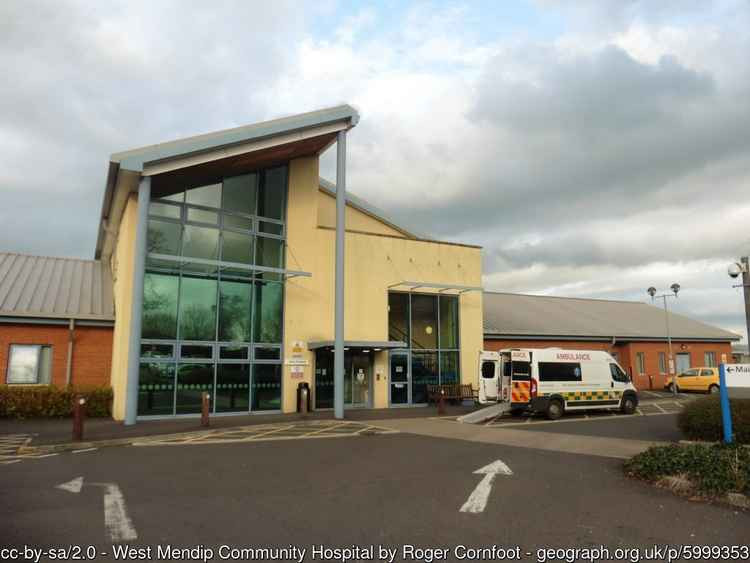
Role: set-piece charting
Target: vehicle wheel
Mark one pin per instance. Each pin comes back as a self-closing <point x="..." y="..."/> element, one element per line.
<point x="555" y="410"/>
<point x="628" y="404"/>
<point x="713" y="389"/>
<point x="670" y="388"/>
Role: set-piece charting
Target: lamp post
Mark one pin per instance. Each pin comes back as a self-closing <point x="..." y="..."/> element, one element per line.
<point x="734" y="271"/>
<point x="675" y="287"/>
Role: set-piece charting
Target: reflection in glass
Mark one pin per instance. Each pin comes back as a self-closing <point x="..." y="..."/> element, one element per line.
<point x="178" y="197"/>
<point x="156" y="350"/>
<point x="164" y="210"/>
<point x="271" y="228"/>
<point x="449" y="372"/>
<point x="237" y="222"/>
<point x="236" y="247"/>
<point x="272" y="190"/>
<point x="234" y="353"/>
<point x="240" y="193"/>
<point x="269" y="252"/>
<point x="232" y="388"/>
<point x="424" y="321"/>
<point x="23" y="363"/>
<point x="159" y="306"/>
<point x="210" y="196"/>
<point x="163" y="237"/>
<point x="202" y="216"/>
<point x="197" y="351"/>
<point x="323" y="378"/>
<point x="268" y="314"/>
<point x="156" y="389"/>
<point x="398" y="317"/>
<point x="200" y="242"/>
<point x="192" y="381"/>
<point x="424" y="372"/>
<point x="267" y="353"/>
<point x="448" y="321"/>
<point x="235" y="311"/>
<point x="197" y="309"/>
<point x="266" y="391"/>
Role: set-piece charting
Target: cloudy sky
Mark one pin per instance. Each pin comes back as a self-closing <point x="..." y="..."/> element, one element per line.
<point x="593" y="148"/>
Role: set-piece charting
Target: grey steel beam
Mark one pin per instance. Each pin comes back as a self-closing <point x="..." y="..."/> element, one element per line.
<point x="338" y="353"/>
<point x="136" y="310"/>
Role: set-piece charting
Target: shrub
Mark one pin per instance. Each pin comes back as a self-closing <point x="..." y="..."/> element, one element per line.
<point x="701" y="420"/>
<point x="714" y="469"/>
<point x="48" y="401"/>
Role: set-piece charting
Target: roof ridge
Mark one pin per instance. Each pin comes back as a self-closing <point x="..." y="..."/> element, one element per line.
<point x="565" y="297"/>
<point x="49" y="257"/>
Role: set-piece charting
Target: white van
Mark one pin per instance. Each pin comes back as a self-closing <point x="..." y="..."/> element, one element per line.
<point x="553" y="380"/>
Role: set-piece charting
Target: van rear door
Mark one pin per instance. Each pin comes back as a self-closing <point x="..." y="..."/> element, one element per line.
<point x="520" y="378"/>
<point x="489" y="379"/>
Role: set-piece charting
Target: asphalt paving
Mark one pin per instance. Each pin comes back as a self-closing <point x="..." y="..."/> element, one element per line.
<point x="392" y="490"/>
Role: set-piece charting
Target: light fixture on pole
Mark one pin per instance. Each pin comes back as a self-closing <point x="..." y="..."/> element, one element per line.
<point x="735" y="270"/>
<point x="675" y="287"/>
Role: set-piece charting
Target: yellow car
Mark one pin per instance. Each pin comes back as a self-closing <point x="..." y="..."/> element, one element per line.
<point x="703" y="379"/>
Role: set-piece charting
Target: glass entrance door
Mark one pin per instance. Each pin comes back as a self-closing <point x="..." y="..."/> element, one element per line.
<point x="359" y="377"/>
<point x="399" y="383"/>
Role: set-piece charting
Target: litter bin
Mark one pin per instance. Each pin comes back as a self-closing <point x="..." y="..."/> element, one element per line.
<point x="303" y="397"/>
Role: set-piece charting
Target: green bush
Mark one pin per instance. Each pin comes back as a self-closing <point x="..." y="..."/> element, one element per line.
<point x="713" y="469"/>
<point x="48" y="401"/>
<point x="701" y="420"/>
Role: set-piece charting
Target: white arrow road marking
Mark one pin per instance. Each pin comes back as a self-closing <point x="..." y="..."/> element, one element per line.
<point x="116" y="520"/>
<point x="477" y="501"/>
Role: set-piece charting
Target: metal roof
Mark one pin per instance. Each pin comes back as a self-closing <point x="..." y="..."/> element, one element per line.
<point x="55" y="288"/>
<point x="136" y="158"/>
<point x="514" y="316"/>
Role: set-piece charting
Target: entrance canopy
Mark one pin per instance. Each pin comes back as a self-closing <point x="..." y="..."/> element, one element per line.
<point x="375" y="345"/>
<point x="441" y="287"/>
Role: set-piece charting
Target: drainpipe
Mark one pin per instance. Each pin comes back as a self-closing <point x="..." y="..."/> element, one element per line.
<point x="338" y="354"/>
<point x="69" y="363"/>
<point x="136" y="311"/>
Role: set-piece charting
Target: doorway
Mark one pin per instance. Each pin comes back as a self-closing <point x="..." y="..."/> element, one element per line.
<point x="400" y="378"/>
<point x="357" y="379"/>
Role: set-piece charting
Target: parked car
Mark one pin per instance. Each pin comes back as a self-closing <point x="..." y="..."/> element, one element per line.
<point x="703" y="379"/>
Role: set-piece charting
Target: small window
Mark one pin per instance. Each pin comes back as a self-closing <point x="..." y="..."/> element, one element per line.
<point x="690" y="372"/>
<point x="559" y="371"/>
<point x="210" y="196"/>
<point x="267" y="353"/>
<point x="709" y="359"/>
<point x="640" y="358"/>
<point x="234" y="353"/>
<point x="708" y="372"/>
<point x="618" y="374"/>
<point x="488" y="370"/>
<point x="150" y="350"/>
<point x="196" y="351"/>
<point x="662" y="362"/>
<point x="29" y="364"/>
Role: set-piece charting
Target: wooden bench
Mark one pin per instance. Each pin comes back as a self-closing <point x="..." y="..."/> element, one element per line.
<point x="451" y="392"/>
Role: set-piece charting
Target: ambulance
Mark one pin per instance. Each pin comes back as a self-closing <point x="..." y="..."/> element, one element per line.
<point x="553" y="381"/>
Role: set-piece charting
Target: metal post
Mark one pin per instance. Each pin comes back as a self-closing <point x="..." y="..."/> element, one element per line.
<point x="338" y="350"/>
<point x="670" y="360"/>
<point x="136" y="309"/>
<point x="205" y="409"/>
<point x="746" y="290"/>
<point x="726" y="414"/>
<point x="69" y="361"/>
<point x="79" y="411"/>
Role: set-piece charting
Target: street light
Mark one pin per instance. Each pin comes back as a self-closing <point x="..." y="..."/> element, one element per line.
<point x="743" y="267"/>
<point x="675" y="287"/>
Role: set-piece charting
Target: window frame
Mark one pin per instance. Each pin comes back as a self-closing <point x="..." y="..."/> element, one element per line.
<point x="640" y="362"/>
<point x="38" y="348"/>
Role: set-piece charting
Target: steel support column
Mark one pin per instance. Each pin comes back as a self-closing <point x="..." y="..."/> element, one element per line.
<point x="139" y="268"/>
<point x="338" y="355"/>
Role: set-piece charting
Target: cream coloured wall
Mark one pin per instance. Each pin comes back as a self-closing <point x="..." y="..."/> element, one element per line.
<point x="373" y="262"/>
<point x="356" y="220"/>
<point x="122" y="273"/>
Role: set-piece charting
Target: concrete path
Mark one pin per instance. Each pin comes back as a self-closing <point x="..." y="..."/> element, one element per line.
<point x="551" y="441"/>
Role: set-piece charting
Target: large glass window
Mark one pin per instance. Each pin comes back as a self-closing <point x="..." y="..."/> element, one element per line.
<point x="428" y="324"/>
<point x="197" y="309"/>
<point x="209" y="317"/>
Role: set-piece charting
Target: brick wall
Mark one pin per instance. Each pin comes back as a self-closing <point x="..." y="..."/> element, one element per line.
<point x="92" y="350"/>
<point x="626" y="354"/>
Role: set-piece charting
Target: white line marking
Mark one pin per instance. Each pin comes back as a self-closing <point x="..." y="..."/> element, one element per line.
<point x="84" y="450"/>
<point x="116" y="518"/>
<point x="41" y="456"/>
<point x="11" y="461"/>
<point x="477" y="501"/>
<point x="73" y="486"/>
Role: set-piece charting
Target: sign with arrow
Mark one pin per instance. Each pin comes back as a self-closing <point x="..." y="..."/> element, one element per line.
<point x="477" y="500"/>
<point x="116" y="520"/>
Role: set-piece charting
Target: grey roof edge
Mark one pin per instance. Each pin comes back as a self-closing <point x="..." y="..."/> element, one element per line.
<point x="367" y="208"/>
<point x="510" y="293"/>
<point x="489" y="335"/>
<point x="134" y="159"/>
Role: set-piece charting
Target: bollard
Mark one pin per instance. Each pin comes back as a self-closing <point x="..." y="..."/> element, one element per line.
<point x="79" y="411"/>
<point x="205" y="409"/>
<point x="441" y="403"/>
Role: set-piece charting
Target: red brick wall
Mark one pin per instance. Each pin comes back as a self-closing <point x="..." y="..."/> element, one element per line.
<point x="92" y="350"/>
<point x="626" y="354"/>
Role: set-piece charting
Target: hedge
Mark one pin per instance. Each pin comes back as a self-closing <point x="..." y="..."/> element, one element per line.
<point x="701" y="420"/>
<point x="712" y="469"/>
<point x="48" y="401"/>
